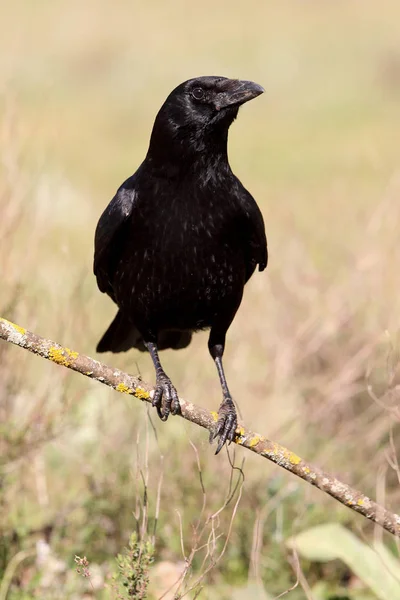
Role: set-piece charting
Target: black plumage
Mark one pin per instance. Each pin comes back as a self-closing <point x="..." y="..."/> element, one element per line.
<point x="177" y="243"/>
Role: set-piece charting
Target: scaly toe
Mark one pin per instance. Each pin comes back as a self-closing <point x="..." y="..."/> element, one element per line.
<point x="175" y="406"/>
<point x="226" y="425"/>
<point x="157" y="400"/>
<point x="165" y="399"/>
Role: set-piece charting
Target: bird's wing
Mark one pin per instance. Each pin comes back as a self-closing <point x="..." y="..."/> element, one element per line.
<point x="254" y="234"/>
<point x="259" y="239"/>
<point x="109" y="233"/>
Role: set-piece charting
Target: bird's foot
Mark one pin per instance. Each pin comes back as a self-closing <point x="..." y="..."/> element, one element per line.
<point x="165" y="397"/>
<point x="226" y="425"/>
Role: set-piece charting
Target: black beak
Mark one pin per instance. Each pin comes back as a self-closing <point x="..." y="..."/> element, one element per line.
<point x="235" y="92"/>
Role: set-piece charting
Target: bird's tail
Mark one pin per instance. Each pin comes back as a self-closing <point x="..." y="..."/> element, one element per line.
<point x="122" y="335"/>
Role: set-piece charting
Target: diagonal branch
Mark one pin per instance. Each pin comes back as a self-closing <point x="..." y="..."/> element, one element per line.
<point x="127" y="384"/>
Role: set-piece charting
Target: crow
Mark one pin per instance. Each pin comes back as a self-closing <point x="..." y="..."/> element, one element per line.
<point x="181" y="237"/>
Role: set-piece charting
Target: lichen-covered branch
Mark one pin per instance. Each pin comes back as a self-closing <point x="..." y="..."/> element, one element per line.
<point x="127" y="384"/>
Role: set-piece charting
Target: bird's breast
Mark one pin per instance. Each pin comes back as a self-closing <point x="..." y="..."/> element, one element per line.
<point x="182" y="261"/>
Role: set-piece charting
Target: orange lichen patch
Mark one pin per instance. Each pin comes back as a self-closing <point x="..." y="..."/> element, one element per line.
<point x="141" y="393"/>
<point x="214" y="415"/>
<point x="62" y="356"/>
<point x="124" y="389"/>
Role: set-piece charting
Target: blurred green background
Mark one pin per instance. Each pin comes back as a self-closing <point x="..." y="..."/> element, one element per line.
<point x="312" y="357"/>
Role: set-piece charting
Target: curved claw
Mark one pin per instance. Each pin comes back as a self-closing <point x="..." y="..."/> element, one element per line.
<point x="165" y="398"/>
<point x="157" y="398"/>
<point x="226" y="424"/>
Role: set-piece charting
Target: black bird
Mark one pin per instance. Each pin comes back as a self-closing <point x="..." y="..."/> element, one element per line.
<point x="181" y="237"/>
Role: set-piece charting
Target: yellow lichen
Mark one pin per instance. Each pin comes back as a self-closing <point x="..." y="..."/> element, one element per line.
<point x="141" y="393"/>
<point x="282" y="454"/>
<point x="17" y="328"/>
<point x="360" y="502"/>
<point x="254" y="441"/>
<point x="239" y="435"/>
<point x="275" y="449"/>
<point x="214" y="415"/>
<point x="121" y="387"/>
<point x="306" y="470"/>
<point x="62" y="356"/>
<point x="294" y="459"/>
<point x="20" y="330"/>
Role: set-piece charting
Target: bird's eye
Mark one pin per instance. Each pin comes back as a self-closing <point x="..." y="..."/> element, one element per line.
<point x="198" y="93"/>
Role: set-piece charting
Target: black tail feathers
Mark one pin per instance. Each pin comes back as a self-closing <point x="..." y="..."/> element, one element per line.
<point x="122" y="336"/>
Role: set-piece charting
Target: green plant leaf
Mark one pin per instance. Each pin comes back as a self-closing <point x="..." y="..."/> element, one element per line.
<point x="375" y="566"/>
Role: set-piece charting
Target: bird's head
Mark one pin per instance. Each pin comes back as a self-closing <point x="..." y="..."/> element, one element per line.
<point x="207" y="102"/>
<point x="200" y="110"/>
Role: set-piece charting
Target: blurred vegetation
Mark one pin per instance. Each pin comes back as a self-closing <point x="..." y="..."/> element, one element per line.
<point x="313" y="355"/>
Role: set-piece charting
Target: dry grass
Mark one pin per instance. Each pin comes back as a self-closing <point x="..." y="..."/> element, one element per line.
<point x="313" y="355"/>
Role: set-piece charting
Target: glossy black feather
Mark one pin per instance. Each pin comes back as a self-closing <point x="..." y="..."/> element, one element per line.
<point x="176" y="245"/>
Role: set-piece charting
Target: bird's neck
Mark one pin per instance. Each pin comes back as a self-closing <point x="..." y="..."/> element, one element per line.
<point x="188" y="150"/>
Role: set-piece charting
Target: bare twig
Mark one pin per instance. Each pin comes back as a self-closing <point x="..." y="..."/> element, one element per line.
<point x="128" y="384"/>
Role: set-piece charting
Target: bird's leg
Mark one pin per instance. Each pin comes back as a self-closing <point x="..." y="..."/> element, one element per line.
<point x="227" y="417"/>
<point x="165" y="397"/>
